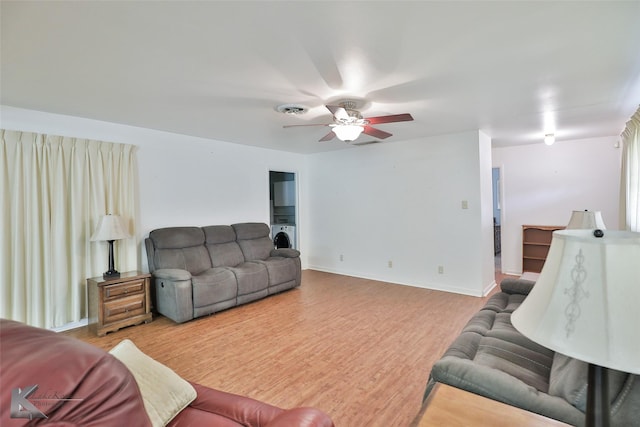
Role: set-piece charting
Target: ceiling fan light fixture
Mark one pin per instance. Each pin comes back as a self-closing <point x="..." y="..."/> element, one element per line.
<point x="348" y="133"/>
<point x="549" y="139"/>
<point x="292" y="109"/>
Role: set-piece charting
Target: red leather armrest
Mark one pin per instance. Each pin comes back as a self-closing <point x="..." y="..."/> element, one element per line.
<point x="301" y="417"/>
<point x="253" y="413"/>
<point x="240" y="409"/>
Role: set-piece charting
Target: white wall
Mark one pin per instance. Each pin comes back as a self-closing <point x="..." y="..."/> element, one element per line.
<point x="402" y="202"/>
<point x="183" y="180"/>
<point x="542" y="185"/>
<point x="398" y="202"/>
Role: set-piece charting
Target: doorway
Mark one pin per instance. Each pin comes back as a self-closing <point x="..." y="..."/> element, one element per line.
<point x="283" y="208"/>
<point x="497" y="214"/>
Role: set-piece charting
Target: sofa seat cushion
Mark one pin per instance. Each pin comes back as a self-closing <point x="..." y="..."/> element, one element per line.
<point x="214" y="285"/>
<point x="281" y="270"/>
<point x="164" y="393"/>
<point x="251" y="276"/>
<point x="489" y="339"/>
<point x="529" y="366"/>
<point x="504" y="330"/>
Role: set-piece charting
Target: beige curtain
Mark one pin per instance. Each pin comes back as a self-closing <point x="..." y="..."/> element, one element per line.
<point x="630" y="185"/>
<point x="54" y="190"/>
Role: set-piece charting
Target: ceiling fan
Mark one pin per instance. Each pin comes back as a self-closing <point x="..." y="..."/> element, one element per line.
<point x="348" y="123"/>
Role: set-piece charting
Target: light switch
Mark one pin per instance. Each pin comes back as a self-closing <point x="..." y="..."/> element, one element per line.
<point x="465" y="204"/>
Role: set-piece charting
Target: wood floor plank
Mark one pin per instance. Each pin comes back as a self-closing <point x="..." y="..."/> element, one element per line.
<point x="359" y="349"/>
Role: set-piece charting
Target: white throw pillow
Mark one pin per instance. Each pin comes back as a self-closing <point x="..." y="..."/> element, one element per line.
<point x="164" y="393"/>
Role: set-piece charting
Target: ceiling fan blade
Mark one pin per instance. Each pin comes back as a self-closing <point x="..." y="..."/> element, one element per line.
<point x="377" y="133"/>
<point x="338" y="112"/>
<point x="327" y="137"/>
<point x="311" y="124"/>
<point x="390" y="119"/>
<point x="366" y="142"/>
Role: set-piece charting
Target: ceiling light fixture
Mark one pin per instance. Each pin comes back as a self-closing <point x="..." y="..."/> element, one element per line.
<point x="348" y="133"/>
<point x="549" y="139"/>
<point x="292" y="109"/>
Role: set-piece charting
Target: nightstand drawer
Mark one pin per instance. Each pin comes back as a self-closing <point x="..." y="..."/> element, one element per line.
<point x="123" y="289"/>
<point x="124" y="308"/>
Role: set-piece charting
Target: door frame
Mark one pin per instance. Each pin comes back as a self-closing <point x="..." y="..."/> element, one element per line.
<point x="296" y="187"/>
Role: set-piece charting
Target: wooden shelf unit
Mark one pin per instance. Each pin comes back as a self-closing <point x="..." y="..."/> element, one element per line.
<point x="536" y="240"/>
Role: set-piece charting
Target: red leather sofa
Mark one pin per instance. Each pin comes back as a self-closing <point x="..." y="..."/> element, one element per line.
<point x="77" y="384"/>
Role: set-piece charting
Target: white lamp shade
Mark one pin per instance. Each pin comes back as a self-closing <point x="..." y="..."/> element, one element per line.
<point x="586" y="220"/>
<point x="585" y="302"/>
<point x="110" y="227"/>
<point x="347" y="132"/>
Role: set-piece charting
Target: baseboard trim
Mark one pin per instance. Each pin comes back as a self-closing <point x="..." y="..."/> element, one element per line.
<point x="73" y="325"/>
<point x="455" y="290"/>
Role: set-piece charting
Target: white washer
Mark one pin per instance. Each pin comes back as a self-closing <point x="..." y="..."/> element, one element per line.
<point x="284" y="236"/>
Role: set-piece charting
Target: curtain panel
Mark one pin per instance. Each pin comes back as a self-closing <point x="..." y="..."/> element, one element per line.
<point x="630" y="182"/>
<point x="54" y="190"/>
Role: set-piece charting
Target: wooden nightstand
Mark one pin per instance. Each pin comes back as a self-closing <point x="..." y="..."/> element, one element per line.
<point x="452" y="407"/>
<point x="119" y="302"/>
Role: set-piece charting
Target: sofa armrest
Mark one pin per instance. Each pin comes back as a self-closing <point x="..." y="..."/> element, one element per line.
<point x="174" y="294"/>
<point x="172" y="274"/>
<point x="517" y="286"/>
<point x="285" y="253"/>
<point x="241" y="409"/>
<point x="301" y="417"/>
<point x="250" y="412"/>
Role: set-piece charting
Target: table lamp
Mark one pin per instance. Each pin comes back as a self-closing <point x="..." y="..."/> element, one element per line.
<point x="586" y="220"/>
<point x="110" y="228"/>
<point x="585" y="305"/>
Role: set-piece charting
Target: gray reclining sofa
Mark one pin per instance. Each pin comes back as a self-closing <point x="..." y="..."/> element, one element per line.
<point x="492" y="359"/>
<point x="202" y="270"/>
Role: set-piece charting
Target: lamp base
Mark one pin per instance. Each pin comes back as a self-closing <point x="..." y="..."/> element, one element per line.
<point x="598" y="406"/>
<point x="111" y="274"/>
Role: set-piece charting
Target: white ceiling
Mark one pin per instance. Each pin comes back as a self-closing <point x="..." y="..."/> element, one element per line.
<point x="218" y="70"/>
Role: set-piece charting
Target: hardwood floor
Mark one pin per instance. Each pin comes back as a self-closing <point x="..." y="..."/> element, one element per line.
<point x="359" y="349"/>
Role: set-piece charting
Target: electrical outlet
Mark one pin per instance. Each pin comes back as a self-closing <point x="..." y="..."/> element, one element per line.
<point x="440" y="269"/>
<point x="390" y="264"/>
<point x="341" y="257"/>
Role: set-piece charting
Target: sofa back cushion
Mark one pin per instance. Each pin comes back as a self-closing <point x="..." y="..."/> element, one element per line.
<point x="180" y="247"/>
<point x="222" y="246"/>
<point x="254" y="241"/>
